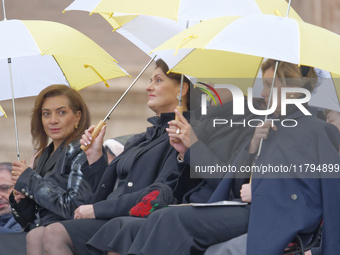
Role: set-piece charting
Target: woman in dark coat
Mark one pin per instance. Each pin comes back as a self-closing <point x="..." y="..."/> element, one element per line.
<point x="202" y="145"/>
<point x="287" y="203"/>
<point x="295" y="202"/>
<point x="148" y="158"/>
<point x="54" y="187"/>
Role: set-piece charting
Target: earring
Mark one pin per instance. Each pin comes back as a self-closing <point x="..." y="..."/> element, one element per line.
<point x="76" y="126"/>
<point x="178" y="97"/>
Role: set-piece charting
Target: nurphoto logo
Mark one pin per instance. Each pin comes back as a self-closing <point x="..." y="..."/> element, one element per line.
<point x="238" y="105"/>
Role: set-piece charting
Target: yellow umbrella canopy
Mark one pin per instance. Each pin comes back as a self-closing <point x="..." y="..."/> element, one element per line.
<point x="74" y="52"/>
<point x="148" y="32"/>
<point x="184" y="9"/>
<point x="234" y="47"/>
<point x="42" y="53"/>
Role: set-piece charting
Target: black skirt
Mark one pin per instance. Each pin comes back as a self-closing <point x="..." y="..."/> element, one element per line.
<point x="80" y="231"/>
<point x="116" y="235"/>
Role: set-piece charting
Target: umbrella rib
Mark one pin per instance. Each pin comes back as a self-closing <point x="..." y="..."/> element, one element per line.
<point x="101" y="77"/>
<point x="61" y="70"/>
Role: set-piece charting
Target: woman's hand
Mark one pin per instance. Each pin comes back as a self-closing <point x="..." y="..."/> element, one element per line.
<point x="261" y="132"/>
<point x="94" y="151"/>
<point x="179" y="133"/>
<point x="18" y="167"/>
<point x="84" y="212"/>
<point x="18" y="196"/>
<point x="246" y="193"/>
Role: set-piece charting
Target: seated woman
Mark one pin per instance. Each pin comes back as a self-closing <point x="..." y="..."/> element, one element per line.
<point x="55" y="187"/>
<point x="202" y="145"/>
<point x="147" y="158"/>
<point x="299" y="200"/>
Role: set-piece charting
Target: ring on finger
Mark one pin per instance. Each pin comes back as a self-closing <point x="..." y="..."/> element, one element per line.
<point x="178" y="131"/>
<point x="13" y="172"/>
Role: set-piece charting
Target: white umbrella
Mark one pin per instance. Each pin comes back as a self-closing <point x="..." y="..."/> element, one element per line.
<point x="36" y="54"/>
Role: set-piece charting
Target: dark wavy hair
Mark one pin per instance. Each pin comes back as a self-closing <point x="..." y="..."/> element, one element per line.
<point x="76" y="103"/>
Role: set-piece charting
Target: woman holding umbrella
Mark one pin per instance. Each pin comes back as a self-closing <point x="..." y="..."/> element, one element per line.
<point x="294" y="203"/>
<point x="199" y="145"/>
<point x="147" y="158"/>
<point x="291" y="203"/>
<point x="54" y="187"/>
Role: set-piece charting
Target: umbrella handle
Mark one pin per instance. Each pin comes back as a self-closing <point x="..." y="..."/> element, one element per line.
<point x="179" y="109"/>
<point x="94" y="134"/>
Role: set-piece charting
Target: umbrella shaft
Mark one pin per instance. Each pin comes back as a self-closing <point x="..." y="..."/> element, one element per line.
<point x="269" y="101"/>
<point x="288" y="9"/>
<point x="14" y="114"/>
<point x="4" y="9"/>
<point x="180" y="92"/>
<point x="127" y="90"/>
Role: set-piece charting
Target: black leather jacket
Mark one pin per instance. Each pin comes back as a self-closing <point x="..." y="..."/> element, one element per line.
<point x="54" y="189"/>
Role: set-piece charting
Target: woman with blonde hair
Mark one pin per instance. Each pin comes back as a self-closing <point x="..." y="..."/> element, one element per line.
<point x="287" y="203"/>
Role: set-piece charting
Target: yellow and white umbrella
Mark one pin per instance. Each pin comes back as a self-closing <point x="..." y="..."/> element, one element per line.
<point x="42" y="53"/>
<point x="151" y="26"/>
<point x="183" y="9"/>
<point x="152" y="22"/>
<point x="234" y="47"/>
<point x="35" y="54"/>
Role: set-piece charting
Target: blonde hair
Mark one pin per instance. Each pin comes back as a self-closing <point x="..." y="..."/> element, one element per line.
<point x="291" y="75"/>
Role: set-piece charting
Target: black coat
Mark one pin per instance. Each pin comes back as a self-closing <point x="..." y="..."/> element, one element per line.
<point x="54" y="189"/>
<point x="296" y="202"/>
<point x="217" y="145"/>
<point x="149" y="158"/>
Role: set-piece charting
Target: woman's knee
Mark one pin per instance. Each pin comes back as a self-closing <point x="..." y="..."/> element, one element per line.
<point x="54" y="234"/>
<point x="34" y="235"/>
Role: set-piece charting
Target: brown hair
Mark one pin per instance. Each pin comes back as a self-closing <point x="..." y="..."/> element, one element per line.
<point x="175" y="76"/>
<point x="292" y="74"/>
<point x="76" y="103"/>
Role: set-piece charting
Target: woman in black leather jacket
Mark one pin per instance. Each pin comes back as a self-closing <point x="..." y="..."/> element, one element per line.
<point x="54" y="187"/>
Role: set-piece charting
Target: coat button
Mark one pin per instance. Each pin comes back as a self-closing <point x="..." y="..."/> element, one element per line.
<point x="103" y="186"/>
<point x="23" y="191"/>
<point x="294" y="197"/>
<point x="31" y="197"/>
<point x="130" y="184"/>
<point x="26" y="194"/>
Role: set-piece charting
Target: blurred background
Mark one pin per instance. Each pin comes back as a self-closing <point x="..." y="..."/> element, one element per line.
<point x="131" y="114"/>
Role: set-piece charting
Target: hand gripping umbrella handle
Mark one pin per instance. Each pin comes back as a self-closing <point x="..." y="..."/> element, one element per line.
<point x="94" y="134"/>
